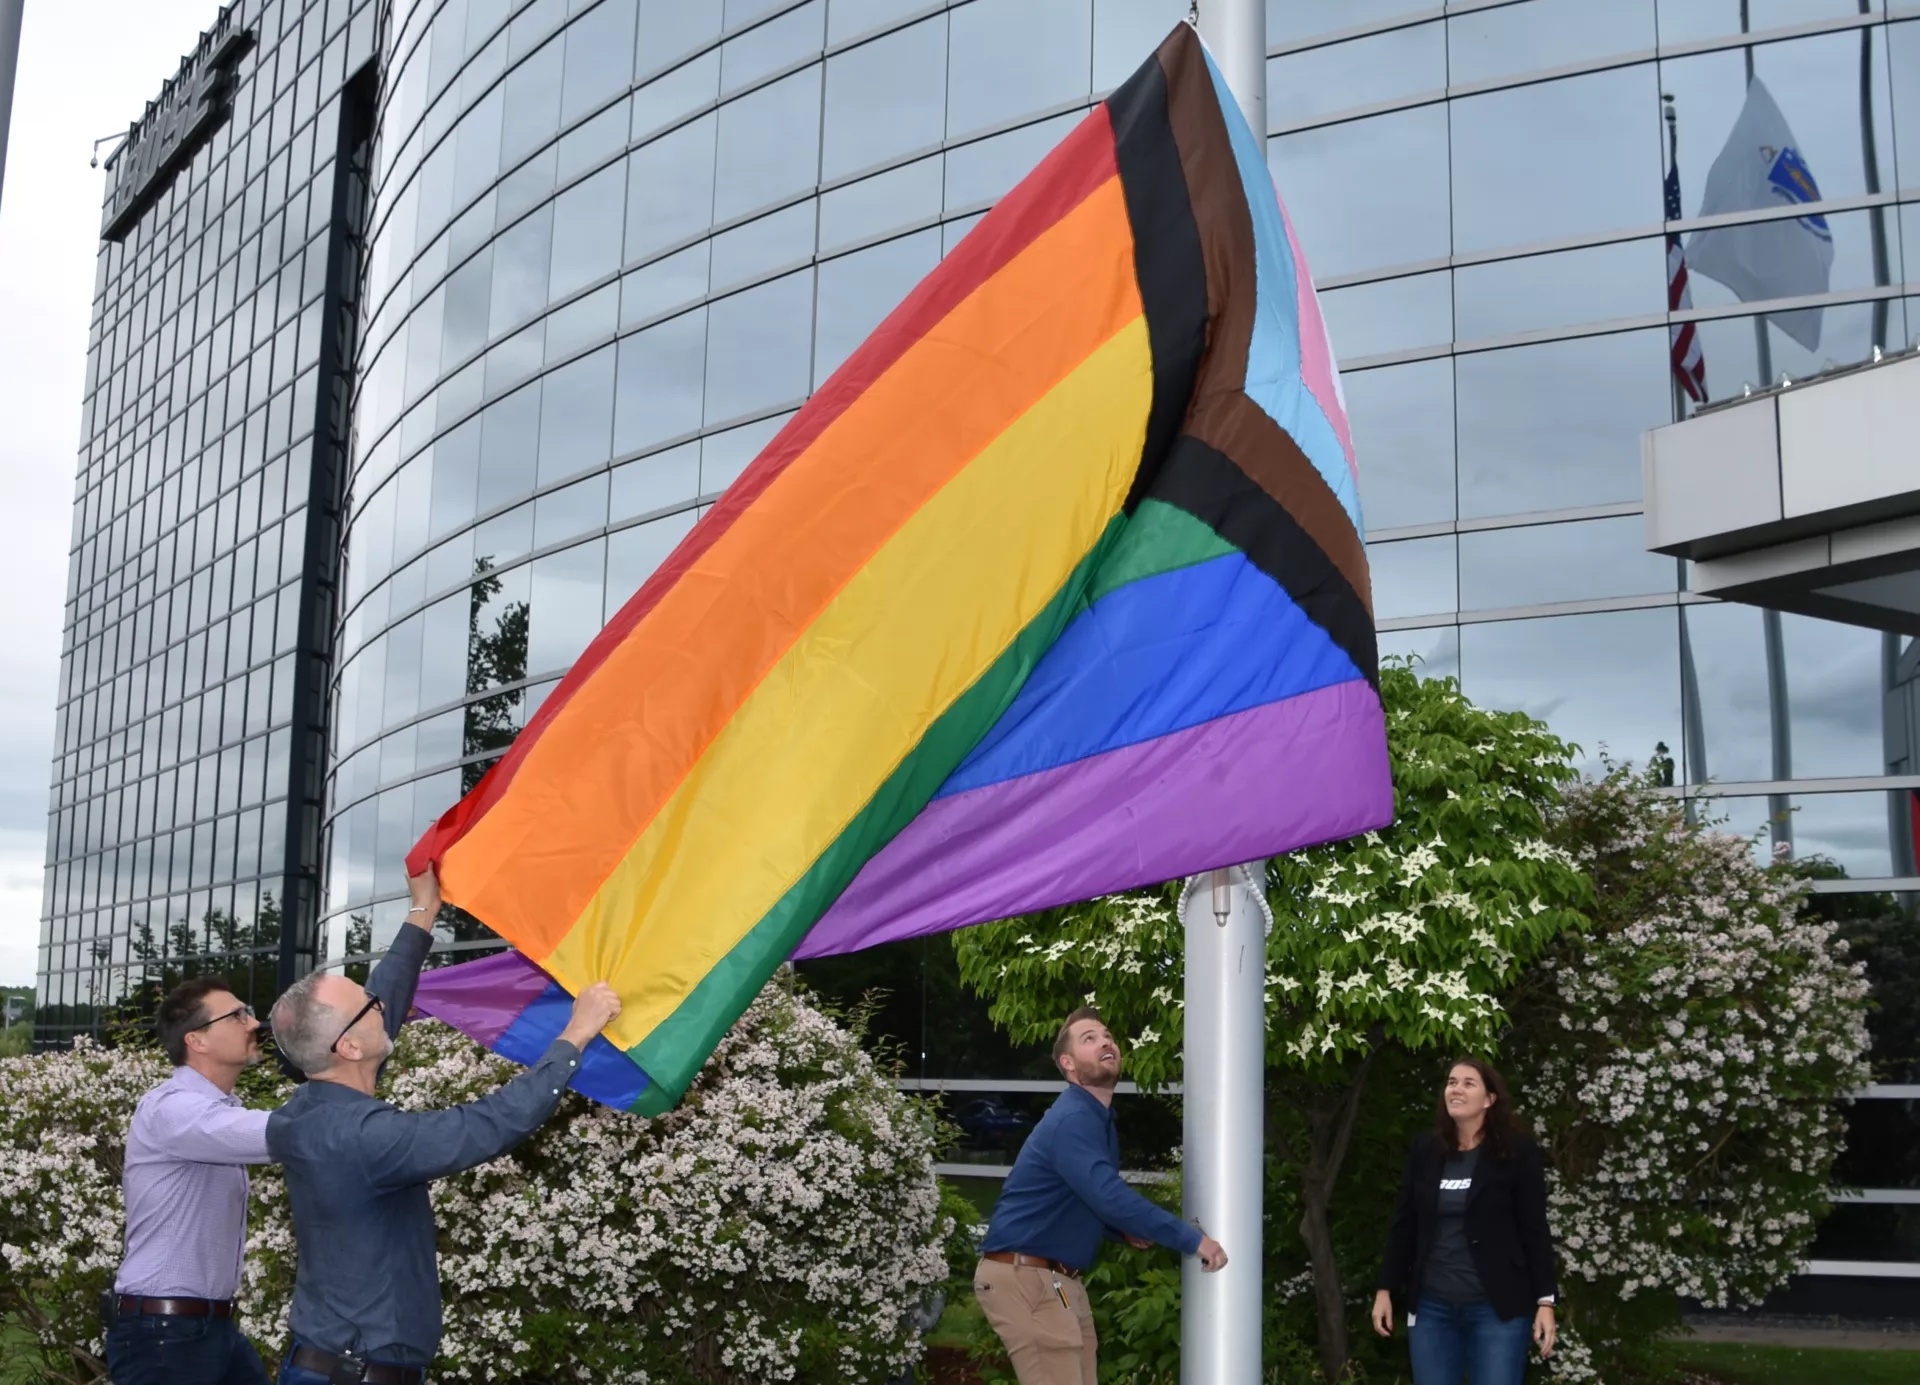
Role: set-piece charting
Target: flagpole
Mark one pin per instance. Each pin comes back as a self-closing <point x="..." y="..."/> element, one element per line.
<point x="1692" y="724"/>
<point x="1224" y="916"/>
<point x="10" y="17"/>
<point x="1773" y="638"/>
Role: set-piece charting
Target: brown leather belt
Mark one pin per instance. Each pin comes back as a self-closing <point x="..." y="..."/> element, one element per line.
<point x="374" y="1372"/>
<point x="176" y="1307"/>
<point x="1036" y="1262"/>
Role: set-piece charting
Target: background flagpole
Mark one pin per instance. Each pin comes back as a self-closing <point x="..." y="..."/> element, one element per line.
<point x="10" y="15"/>
<point x="1224" y="913"/>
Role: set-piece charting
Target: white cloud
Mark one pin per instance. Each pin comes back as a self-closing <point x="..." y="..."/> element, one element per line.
<point x="85" y="70"/>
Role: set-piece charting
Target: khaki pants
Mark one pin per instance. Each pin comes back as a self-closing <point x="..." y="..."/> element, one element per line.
<point x="1050" y="1342"/>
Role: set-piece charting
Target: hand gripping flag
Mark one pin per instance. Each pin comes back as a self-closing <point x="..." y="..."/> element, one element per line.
<point x="1055" y="588"/>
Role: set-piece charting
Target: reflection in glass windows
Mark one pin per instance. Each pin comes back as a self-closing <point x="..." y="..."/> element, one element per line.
<point x="1509" y="40"/>
<point x="1542" y="563"/>
<point x="1563" y="158"/>
<point x="1381" y="67"/>
<point x="1015" y="58"/>
<point x="769" y="145"/>
<point x="1368" y="193"/>
<point x="1402" y="420"/>
<point x="885" y="99"/>
<point x="1413" y="577"/>
<point x="1574" y="288"/>
<point x="1556" y="426"/>
<point x="759" y="350"/>
<point x="1609" y="682"/>
<point x="857" y="292"/>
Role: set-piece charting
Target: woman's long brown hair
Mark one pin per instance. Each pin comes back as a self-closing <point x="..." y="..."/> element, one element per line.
<point x="1503" y="1128"/>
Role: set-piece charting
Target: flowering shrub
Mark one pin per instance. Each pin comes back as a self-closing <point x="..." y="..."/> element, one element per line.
<point x="781" y="1224"/>
<point x="63" y="1122"/>
<point x="1682" y="1061"/>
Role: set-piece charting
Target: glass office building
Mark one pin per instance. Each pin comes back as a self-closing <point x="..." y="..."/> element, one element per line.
<point x="184" y="826"/>
<point x="610" y="246"/>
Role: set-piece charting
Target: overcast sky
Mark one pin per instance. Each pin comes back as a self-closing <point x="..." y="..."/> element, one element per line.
<point x="87" y="67"/>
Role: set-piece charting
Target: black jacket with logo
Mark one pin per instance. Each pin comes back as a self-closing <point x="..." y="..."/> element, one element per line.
<point x="1506" y="1224"/>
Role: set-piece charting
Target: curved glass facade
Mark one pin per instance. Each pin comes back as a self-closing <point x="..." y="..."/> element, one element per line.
<point x="617" y="243"/>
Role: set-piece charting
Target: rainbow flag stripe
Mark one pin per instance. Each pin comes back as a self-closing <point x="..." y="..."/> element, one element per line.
<point x="1056" y="588"/>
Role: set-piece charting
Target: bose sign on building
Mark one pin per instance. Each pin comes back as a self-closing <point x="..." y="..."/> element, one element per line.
<point x="190" y="107"/>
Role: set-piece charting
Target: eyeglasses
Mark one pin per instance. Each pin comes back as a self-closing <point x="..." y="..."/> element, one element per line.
<point x="373" y="1006"/>
<point x="242" y="1013"/>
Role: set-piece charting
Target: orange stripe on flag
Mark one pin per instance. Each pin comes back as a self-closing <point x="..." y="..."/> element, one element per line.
<point x="599" y="774"/>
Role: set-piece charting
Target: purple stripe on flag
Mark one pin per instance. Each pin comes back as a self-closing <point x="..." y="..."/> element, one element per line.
<point x="1202" y="797"/>
<point x="482" y="998"/>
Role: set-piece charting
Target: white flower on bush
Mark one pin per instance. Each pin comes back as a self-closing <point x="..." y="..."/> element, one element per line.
<point x="1704" y="1032"/>
<point x="779" y="1225"/>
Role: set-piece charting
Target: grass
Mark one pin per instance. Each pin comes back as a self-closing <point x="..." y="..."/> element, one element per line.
<point x="1737" y="1363"/>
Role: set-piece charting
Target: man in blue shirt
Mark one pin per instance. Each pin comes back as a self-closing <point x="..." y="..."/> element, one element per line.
<point x="366" y="1293"/>
<point x="1064" y="1194"/>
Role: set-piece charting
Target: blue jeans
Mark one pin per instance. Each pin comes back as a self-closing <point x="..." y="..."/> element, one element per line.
<point x="1449" y="1340"/>
<point x="147" y="1349"/>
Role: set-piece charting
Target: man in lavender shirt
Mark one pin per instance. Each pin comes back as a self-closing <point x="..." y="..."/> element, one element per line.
<point x="172" y="1319"/>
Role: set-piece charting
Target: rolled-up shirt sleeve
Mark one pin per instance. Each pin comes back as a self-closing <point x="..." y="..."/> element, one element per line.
<point x="397" y="974"/>
<point x="401" y="1147"/>
<point x="204" y="1130"/>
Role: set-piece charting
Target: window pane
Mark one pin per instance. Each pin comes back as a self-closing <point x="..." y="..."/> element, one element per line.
<point x="759" y="348"/>
<point x="671" y="29"/>
<point x="670" y="188"/>
<point x="586" y="232"/>
<point x="1012" y="58"/>
<point x="1296" y="21"/>
<point x="633" y="554"/>
<point x="885" y="202"/>
<point x="664" y="285"/>
<point x="532" y="104"/>
<point x="1435" y="649"/>
<point x="850" y="18"/>
<point x="659" y="386"/>
<point x="777" y="44"/>
<point x="723" y="456"/>
<point x="779" y="240"/>
<point x="599" y="59"/>
<point x="1565" y="290"/>
<point x="1513" y="39"/>
<point x="567" y="601"/>
<point x="1607" y="682"/>
<point x="656" y="483"/>
<point x="1848" y="333"/>
<point x="1834" y="693"/>
<point x="1126" y="33"/>
<point x="980" y="172"/>
<point x="1369" y="193"/>
<point x="885" y="99"/>
<point x="1391" y="315"/>
<point x="521" y="260"/>
<point x="1559" y="159"/>
<point x="1381" y="67"/>
<point x="1402" y="420"/>
<point x="1413" y="577"/>
<point x="769" y="145"/>
<point x="576" y="416"/>
<point x="1683" y="21"/>
<point x="857" y="292"/>
<point x="667" y="98"/>
<point x="1541" y="563"/>
<point x="1556" y="426"/>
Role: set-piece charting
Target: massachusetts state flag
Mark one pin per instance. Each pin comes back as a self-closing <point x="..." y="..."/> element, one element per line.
<point x="1762" y="166"/>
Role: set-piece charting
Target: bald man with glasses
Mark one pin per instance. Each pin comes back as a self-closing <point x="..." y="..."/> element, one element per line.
<point x="366" y="1294"/>
<point x="170" y="1317"/>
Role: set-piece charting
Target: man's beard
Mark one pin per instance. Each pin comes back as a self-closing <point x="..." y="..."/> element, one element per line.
<point x="1099" y="1075"/>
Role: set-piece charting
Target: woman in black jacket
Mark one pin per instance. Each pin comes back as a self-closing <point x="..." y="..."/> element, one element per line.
<point x="1469" y="1253"/>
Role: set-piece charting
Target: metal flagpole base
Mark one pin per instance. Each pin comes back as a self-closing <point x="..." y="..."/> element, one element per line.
<point x="1225" y="918"/>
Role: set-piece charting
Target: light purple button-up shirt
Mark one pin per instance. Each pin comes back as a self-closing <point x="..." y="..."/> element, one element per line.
<point x="186" y="1189"/>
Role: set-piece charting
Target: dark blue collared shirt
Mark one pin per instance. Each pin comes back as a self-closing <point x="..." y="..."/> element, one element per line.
<point x="357" y="1173"/>
<point x="1065" y="1191"/>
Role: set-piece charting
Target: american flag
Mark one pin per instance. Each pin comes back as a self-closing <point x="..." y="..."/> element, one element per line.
<point x="1689" y="366"/>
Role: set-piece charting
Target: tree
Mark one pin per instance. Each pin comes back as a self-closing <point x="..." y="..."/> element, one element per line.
<point x="1683" y="1060"/>
<point x="1399" y="941"/>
